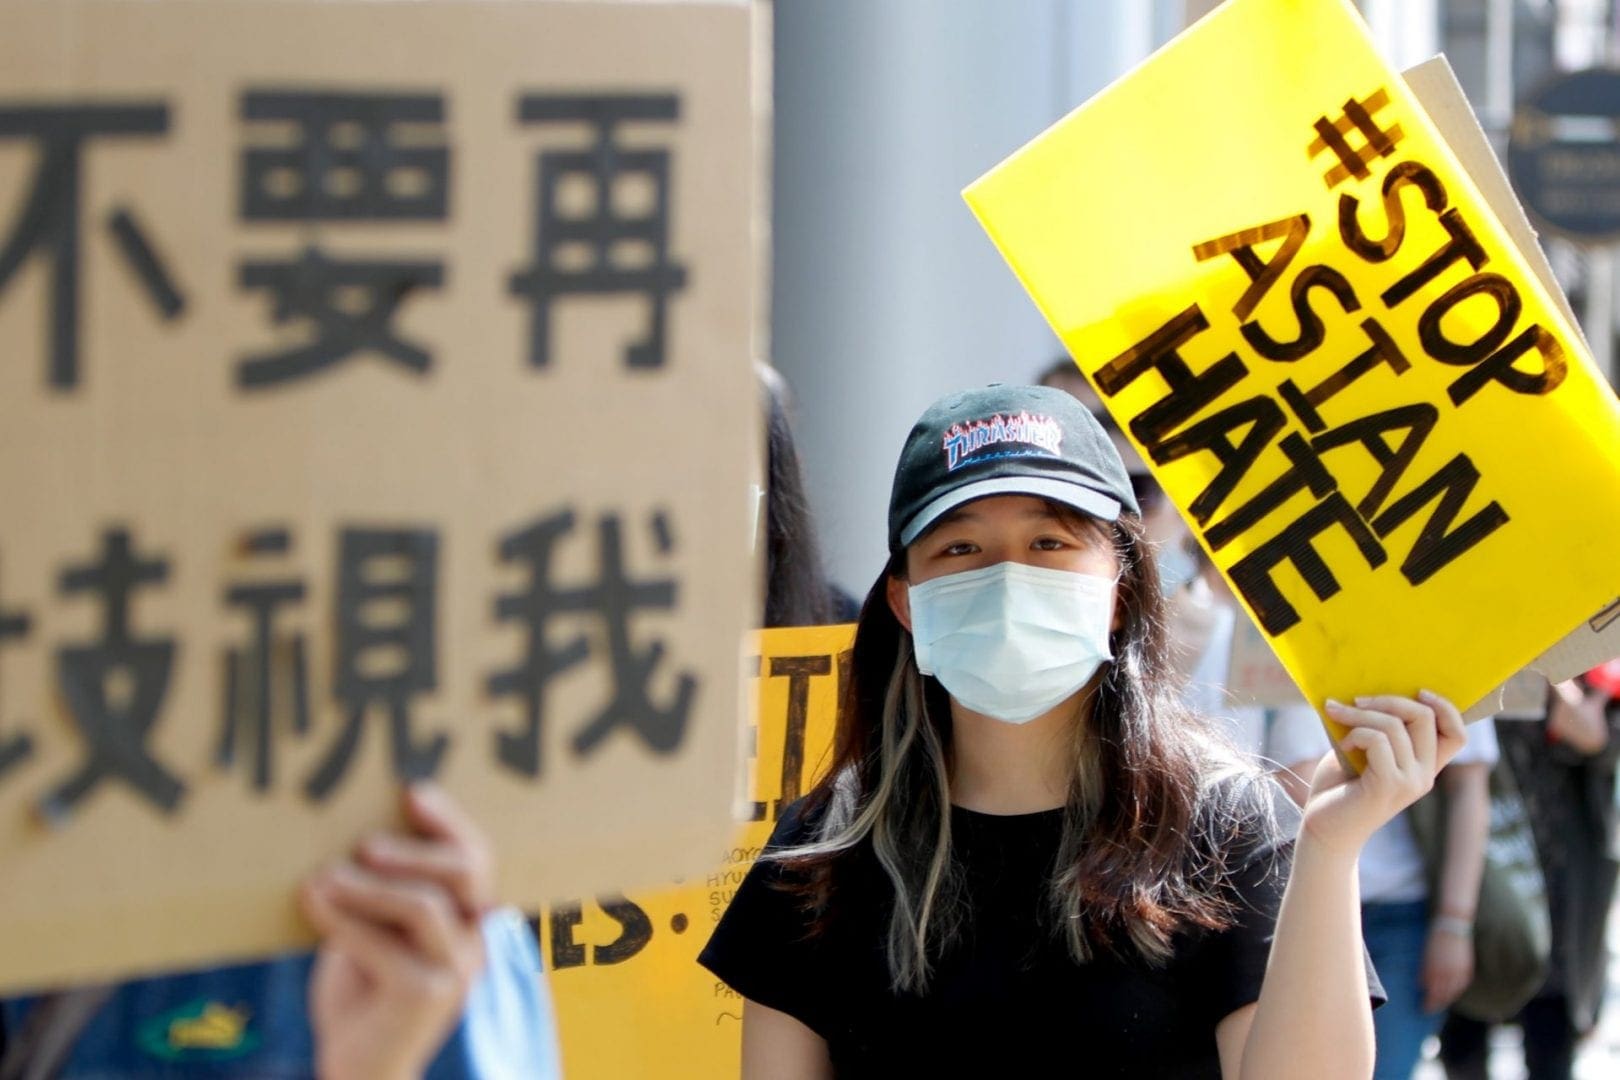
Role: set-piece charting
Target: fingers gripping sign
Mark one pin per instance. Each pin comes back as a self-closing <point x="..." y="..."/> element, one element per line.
<point x="1391" y="752"/>
<point x="400" y="941"/>
<point x="447" y="849"/>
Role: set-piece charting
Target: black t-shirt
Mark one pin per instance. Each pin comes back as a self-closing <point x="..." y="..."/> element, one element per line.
<point x="1007" y="999"/>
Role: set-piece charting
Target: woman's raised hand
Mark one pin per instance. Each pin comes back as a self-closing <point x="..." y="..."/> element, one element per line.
<point x="1406" y="742"/>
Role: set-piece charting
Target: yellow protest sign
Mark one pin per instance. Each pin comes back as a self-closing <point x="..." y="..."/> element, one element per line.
<point x="1265" y="256"/>
<point x="631" y="999"/>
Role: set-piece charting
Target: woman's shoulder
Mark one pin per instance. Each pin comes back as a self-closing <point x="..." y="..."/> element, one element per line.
<point x="799" y="823"/>
<point x="825" y="812"/>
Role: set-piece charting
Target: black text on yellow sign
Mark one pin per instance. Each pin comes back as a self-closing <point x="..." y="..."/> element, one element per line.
<point x="1339" y="363"/>
<point x="1505" y="350"/>
<point x="631" y="998"/>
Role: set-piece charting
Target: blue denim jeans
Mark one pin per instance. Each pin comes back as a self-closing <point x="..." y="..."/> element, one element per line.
<point x="1396" y="935"/>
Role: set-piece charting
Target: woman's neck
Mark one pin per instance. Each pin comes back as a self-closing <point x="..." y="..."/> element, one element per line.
<point x="1002" y="768"/>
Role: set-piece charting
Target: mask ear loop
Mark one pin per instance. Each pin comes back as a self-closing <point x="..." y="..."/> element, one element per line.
<point x="1113" y="635"/>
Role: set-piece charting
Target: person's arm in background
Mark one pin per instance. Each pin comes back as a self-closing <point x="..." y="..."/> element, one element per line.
<point x="401" y="942"/>
<point x="1583" y="736"/>
<point x="1577" y="728"/>
<point x="1448" y="958"/>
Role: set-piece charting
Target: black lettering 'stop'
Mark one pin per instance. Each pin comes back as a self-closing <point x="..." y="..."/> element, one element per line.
<point x="1007" y="999"/>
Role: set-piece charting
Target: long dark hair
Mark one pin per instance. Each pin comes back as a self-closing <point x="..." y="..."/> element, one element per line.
<point x="1147" y="821"/>
<point x="796" y="592"/>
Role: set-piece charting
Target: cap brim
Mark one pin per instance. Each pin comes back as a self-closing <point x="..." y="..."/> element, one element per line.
<point x="1081" y="498"/>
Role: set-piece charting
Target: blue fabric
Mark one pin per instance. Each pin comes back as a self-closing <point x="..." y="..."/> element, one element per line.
<point x="250" y="1022"/>
<point x="1396" y="935"/>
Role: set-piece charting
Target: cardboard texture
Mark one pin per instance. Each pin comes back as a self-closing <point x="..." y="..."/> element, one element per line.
<point x="1335" y="354"/>
<point x="306" y="360"/>
<point x="630" y="997"/>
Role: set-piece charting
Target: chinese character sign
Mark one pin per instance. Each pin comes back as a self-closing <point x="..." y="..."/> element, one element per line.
<point x="1379" y="423"/>
<point x="367" y="415"/>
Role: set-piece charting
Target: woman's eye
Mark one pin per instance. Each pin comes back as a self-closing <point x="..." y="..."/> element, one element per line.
<point x="1049" y="543"/>
<point x="961" y="547"/>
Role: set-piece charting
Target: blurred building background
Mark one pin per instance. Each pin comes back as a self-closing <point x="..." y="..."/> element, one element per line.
<point x="886" y="293"/>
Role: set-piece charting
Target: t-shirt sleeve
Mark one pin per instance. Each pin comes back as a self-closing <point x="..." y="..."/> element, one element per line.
<point x="1232" y="962"/>
<point x="507" y="1030"/>
<point x="762" y="947"/>
<point x="1481" y="747"/>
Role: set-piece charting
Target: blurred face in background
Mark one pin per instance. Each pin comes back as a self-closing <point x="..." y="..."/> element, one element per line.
<point x="1160" y="519"/>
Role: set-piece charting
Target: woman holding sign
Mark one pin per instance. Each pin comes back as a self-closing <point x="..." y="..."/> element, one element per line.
<point x="1026" y="855"/>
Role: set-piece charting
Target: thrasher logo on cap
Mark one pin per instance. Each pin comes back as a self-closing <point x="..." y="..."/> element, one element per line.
<point x="1024" y="435"/>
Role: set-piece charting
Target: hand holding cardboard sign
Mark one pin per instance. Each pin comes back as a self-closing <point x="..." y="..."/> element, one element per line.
<point x="401" y="943"/>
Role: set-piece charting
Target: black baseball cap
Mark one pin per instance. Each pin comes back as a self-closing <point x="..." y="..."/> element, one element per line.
<point x="1005" y="440"/>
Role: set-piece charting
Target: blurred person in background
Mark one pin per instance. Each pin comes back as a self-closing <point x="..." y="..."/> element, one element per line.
<point x="1564" y="767"/>
<point x="1421" y="941"/>
<point x="1287" y="739"/>
<point x="414" y="976"/>
<point x="797" y="592"/>
<point x="1160" y="519"/>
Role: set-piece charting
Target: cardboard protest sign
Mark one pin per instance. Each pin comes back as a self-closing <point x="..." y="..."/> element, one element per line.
<point x="375" y="405"/>
<point x="630" y="997"/>
<point x="1378" y="421"/>
<point x="1594" y="642"/>
<point x="1255" y="677"/>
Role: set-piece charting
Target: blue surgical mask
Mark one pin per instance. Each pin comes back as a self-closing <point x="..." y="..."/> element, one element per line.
<point x="1176" y="567"/>
<point x="1012" y="641"/>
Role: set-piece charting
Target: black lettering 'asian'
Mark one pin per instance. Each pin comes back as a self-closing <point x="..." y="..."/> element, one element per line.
<point x="1184" y="422"/>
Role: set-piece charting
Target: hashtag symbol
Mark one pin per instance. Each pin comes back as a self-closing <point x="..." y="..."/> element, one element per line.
<point x="1330" y="135"/>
